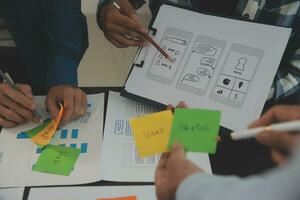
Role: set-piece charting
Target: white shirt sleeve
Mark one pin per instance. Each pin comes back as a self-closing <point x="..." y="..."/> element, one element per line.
<point x="278" y="184"/>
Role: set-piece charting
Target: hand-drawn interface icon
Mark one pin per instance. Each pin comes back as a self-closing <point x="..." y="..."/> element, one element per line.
<point x="175" y="43"/>
<point x="201" y="64"/>
<point x="239" y="69"/>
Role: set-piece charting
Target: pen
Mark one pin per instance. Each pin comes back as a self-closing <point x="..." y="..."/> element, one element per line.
<point x="249" y="133"/>
<point x="162" y="51"/>
<point x="12" y="84"/>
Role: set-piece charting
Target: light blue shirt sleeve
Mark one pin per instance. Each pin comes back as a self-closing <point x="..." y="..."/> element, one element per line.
<point x="278" y="184"/>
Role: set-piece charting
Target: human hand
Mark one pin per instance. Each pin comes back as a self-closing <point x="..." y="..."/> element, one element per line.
<point x="181" y="104"/>
<point x="171" y="170"/>
<point x="281" y="143"/>
<point x="74" y="101"/>
<point x="16" y="106"/>
<point x="120" y="29"/>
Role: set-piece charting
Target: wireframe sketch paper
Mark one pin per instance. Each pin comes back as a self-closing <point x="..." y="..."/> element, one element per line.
<point x="92" y="193"/>
<point x="221" y="64"/>
<point x="85" y="133"/>
<point x="120" y="159"/>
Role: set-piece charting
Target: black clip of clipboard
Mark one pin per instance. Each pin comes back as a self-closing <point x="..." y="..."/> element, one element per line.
<point x="139" y="59"/>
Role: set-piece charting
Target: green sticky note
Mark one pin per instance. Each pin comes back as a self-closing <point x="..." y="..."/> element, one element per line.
<point x="57" y="160"/>
<point x="195" y="129"/>
<point x="36" y="130"/>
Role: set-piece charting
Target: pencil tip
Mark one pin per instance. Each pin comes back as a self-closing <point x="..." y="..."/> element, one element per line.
<point x="170" y="59"/>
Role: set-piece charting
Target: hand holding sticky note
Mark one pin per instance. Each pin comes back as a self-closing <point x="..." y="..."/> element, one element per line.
<point x="195" y="129"/>
<point x="151" y="132"/>
<point x="43" y="134"/>
<point x="57" y="160"/>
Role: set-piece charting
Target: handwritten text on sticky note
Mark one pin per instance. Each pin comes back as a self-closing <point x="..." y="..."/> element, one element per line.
<point x="195" y="129"/>
<point x="57" y="160"/>
<point x="43" y="134"/>
<point x="151" y="132"/>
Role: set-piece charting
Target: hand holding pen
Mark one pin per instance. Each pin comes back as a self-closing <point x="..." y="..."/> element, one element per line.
<point x="278" y="128"/>
<point x="121" y="29"/>
<point x="16" y="104"/>
<point x="143" y="33"/>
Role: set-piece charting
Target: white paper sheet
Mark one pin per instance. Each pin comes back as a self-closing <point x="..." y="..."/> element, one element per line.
<point x="19" y="154"/>
<point x="92" y="193"/>
<point x="120" y="161"/>
<point x="11" y="193"/>
<point x="221" y="64"/>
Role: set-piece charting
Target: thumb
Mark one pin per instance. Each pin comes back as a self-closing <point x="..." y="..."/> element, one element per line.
<point x="177" y="152"/>
<point x="51" y="104"/>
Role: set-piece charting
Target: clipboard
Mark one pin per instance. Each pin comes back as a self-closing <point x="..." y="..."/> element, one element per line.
<point x="221" y="77"/>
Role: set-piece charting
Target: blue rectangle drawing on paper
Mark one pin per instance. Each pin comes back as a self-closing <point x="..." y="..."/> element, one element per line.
<point x="73" y="145"/>
<point x="127" y="128"/>
<point x="119" y="127"/>
<point x="74" y="134"/>
<point x="22" y="135"/>
<point x="83" y="148"/>
<point x="89" y="105"/>
<point x="64" y="133"/>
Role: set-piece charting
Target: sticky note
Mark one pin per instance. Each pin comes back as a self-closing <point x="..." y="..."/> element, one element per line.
<point x="42" y="135"/>
<point x="151" y="132"/>
<point x="195" y="129"/>
<point x="57" y="160"/>
<point x="36" y="130"/>
<point x="120" y="198"/>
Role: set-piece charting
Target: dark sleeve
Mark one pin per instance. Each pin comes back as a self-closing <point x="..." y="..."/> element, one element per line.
<point x="67" y="40"/>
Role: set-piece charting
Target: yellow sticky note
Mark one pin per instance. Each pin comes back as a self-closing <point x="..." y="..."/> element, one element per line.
<point x="151" y="132"/>
<point x="45" y="135"/>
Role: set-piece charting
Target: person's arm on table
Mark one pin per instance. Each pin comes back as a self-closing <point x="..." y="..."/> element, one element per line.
<point x="66" y="30"/>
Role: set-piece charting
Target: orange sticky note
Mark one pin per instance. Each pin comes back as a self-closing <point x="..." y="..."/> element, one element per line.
<point x="45" y="135"/>
<point x="151" y="132"/>
<point x="120" y="198"/>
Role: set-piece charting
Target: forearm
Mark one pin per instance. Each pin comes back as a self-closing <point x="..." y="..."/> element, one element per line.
<point x="276" y="185"/>
<point x="67" y="38"/>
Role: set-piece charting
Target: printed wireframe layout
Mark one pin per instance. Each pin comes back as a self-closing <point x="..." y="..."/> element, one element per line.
<point x="201" y="64"/>
<point x="175" y="42"/>
<point x="234" y="81"/>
